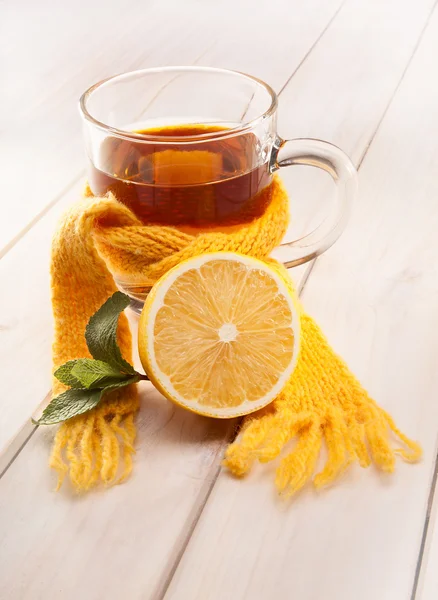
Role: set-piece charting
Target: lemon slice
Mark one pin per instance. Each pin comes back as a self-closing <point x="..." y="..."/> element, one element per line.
<point x="219" y="334"/>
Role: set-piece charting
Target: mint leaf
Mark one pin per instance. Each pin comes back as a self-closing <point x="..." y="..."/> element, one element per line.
<point x="86" y="373"/>
<point x="93" y="374"/>
<point x="76" y="402"/>
<point x="64" y="374"/>
<point x="101" y="333"/>
<point x="68" y="405"/>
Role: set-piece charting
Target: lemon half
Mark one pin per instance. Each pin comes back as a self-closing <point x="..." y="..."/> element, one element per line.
<point x="219" y="334"/>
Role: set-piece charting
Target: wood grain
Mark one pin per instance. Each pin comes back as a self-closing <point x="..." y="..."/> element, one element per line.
<point x="130" y="539"/>
<point x="375" y="295"/>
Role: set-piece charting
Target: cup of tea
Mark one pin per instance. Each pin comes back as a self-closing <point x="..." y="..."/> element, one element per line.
<point x="196" y="148"/>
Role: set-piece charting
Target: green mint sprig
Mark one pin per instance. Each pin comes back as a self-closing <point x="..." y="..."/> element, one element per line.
<point x="90" y="379"/>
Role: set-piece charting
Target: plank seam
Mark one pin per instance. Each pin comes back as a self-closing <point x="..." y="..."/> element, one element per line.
<point x="426" y="527"/>
<point x="204" y="495"/>
<point x="312" y="47"/>
<point x="17" y="452"/>
<point x="405" y="70"/>
<point x="12" y="243"/>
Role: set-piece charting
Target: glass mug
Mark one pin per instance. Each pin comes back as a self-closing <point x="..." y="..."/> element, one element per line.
<point x="196" y="148"/>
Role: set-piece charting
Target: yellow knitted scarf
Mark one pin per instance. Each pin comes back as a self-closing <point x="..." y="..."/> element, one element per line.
<point x="100" y="238"/>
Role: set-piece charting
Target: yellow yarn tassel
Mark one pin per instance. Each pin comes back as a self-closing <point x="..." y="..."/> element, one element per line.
<point x="322" y="401"/>
<point x="100" y="238"/>
<point x="88" y="447"/>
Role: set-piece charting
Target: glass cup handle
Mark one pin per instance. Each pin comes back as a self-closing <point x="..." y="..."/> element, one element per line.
<point x="331" y="159"/>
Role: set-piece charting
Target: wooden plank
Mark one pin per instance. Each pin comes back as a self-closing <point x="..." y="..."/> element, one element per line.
<point x="375" y="296"/>
<point x="426" y="586"/>
<point x="43" y="140"/>
<point x="92" y="547"/>
<point x="26" y="326"/>
<point x="177" y="458"/>
<point x="49" y="542"/>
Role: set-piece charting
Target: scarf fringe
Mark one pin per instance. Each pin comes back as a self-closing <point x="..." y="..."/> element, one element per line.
<point x="92" y="447"/>
<point x="347" y="441"/>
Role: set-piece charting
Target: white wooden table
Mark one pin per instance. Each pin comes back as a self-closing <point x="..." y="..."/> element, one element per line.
<point x="359" y="73"/>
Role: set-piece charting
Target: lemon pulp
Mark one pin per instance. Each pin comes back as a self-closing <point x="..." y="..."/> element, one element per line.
<point x="219" y="334"/>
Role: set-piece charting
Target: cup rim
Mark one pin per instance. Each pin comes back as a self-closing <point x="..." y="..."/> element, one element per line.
<point x="238" y="130"/>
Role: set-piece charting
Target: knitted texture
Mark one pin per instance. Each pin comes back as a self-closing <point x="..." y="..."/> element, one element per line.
<point x="99" y="238"/>
<point x="322" y="401"/>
